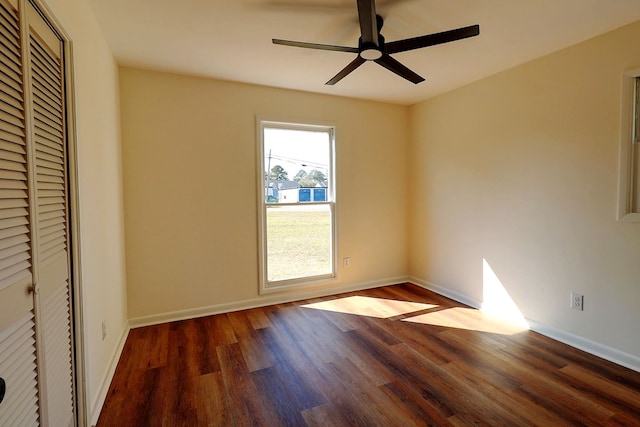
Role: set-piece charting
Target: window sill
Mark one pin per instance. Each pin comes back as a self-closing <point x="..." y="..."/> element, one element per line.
<point x="629" y="217"/>
<point x="296" y="284"/>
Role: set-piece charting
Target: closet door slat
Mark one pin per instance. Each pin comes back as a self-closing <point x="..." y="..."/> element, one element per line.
<point x="18" y="363"/>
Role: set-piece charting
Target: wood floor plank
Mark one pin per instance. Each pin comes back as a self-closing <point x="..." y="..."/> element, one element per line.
<point x="391" y="356"/>
<point x="245" y="400"/>
<point x="287" y="393"/>
<point x="375" y="409"/>
<point x="256" y="353"/>
<point x="421" y="337"/>
<point x="487" y="366"/>
<point x="258" y="318"/>
<point x="156" y="341"/>
<point x="240" y="324"/>
<point x="615" y="397"/>
<point x="319" y="416"/>
<point x="462" y="396"/>
<point x="522" y="410"/>
<point x="418" y="409"/>
<point x="212" y="406"/>
<point x="622" y="420"/>
<point x="220" y="326"/>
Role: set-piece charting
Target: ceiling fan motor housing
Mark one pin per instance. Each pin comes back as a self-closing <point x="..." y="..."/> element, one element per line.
<point x="370" y="51"/>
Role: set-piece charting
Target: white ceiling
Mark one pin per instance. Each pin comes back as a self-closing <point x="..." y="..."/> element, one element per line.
<point x="231" y="39"/>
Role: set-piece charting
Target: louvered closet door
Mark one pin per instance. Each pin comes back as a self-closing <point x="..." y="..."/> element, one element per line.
<point x="36" y="365"/>
<point x="18" y="367"/>
<point x="52" y="260"/>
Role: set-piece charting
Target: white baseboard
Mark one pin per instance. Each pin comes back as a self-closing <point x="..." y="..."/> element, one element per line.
<point x="268" y="299"/>
<point x="611" y="354"/>
<point x="98" y="401"/>
<point x="446" y="292"/>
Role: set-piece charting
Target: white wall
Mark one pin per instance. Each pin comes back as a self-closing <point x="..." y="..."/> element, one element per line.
<point x="520" y="170"/>
<point x="100" y="192"/>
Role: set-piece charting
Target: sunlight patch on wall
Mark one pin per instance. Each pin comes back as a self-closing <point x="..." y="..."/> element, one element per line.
<point x="369" y="306"/>
<point x="496" y="300"/>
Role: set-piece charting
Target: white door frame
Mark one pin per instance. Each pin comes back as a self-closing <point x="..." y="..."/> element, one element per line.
<point x="80" y="363"/>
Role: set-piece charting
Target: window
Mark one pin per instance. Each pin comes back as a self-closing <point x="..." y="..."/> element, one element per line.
<point x="297" y="204"/>
<point x="629" y="167"/>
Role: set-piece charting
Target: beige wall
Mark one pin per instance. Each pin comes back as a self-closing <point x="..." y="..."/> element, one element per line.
<point x="189" y="153"/>
<point x="100" y="192"/>
<point x="520" y="170"/>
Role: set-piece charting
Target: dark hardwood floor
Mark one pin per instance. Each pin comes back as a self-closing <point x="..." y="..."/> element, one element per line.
<point x="393" y="356"/>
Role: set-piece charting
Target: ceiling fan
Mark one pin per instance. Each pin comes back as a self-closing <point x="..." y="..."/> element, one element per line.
<point x="372" y="47"/>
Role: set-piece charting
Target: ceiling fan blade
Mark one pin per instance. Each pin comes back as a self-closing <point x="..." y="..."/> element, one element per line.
<point x="432" y="39"/>
<point x="368" y="21"/>
<point x="321" y="5"/>
<point x="315" y="46"/>
<point x="392" y="65"/>
<point x="315" y="6"/>
<point x="346" y="70"/>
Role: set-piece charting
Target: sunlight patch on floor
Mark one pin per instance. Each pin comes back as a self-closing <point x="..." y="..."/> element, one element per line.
<point x="496" y="300"/>
<point x="369" y="306"/>
<point x="468" y="319"/>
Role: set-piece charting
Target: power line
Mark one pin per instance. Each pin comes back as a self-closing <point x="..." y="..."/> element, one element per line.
<point x="303" y="163"/>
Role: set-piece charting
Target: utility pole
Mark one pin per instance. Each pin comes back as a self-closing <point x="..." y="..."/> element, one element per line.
<point x="268" y="177"/>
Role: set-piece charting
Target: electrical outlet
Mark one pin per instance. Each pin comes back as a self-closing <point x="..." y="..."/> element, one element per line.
<point x="577" y="301"/>
<point x="346" y="262"/>
<point x="104" y="330"/>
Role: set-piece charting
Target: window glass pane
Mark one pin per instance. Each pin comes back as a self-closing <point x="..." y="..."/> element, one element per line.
<point x="296" y="165"/>
<point x="298" y="241"/>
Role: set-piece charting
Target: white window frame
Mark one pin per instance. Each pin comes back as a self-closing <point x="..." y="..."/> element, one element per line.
<point x="629" y="179"/>
<point x="267" y="286"/>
